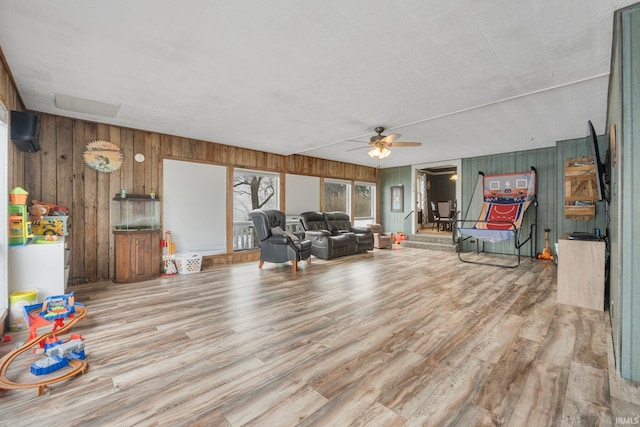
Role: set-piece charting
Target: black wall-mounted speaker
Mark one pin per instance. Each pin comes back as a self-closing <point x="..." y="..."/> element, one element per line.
<point x="24" y="131"/>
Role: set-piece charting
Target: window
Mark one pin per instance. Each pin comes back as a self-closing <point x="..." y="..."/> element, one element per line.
<point x="251" y="190"/>
<point x="337" y="196"/>
<point x="365" y="204"/>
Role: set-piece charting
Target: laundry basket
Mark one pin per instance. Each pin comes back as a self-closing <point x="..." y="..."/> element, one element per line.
<point x="188" y="262"/>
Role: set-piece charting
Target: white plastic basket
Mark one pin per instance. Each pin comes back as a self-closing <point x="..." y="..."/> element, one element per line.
<point x="188" y="262"/>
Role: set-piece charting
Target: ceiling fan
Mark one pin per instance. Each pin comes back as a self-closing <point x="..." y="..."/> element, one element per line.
<point x="380" y="145"/>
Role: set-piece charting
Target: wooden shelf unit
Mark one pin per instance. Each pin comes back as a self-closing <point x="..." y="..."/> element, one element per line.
<point x="137" y="255"/>
<point x="580" y="186"/>
<point x="136" y="230"/>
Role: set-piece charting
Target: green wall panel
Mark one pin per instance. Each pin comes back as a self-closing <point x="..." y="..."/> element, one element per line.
<point x="394" y="221"/>
<point x="624" y="227"/>
<point x="572" y="148"/>
<point x="549" y="163"/>
<point x="629" y="227"/>
<point x="614" y="118"/>
<point x="544" y="160"/>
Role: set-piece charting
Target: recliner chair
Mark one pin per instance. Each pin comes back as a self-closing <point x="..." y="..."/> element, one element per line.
<point x="381" y="240"/>
<point x="276" y="245"/>
<point x="340" y="223"/>
<point x="324" y="244"/>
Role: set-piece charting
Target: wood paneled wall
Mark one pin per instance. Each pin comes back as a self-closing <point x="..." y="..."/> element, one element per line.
<point x="57" y="174"/>
<point x="10" y="98"/>
<point x="544" y="160"/>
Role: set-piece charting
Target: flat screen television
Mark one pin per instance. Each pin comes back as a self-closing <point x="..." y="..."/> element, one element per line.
<point x="601" y="168"/>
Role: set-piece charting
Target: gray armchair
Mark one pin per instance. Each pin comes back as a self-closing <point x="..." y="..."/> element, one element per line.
<point x="276" y="245"/>
<point x="381" y="240"/>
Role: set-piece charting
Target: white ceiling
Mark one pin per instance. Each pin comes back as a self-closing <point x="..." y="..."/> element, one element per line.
<point x="466" y="78"/>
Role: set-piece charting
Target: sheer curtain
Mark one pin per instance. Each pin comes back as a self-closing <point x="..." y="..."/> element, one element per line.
<point x="424" y="202"/>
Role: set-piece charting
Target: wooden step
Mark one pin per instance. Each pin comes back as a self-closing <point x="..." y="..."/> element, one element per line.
<point x="442" y="238"/>
<point x="434" y="242"/>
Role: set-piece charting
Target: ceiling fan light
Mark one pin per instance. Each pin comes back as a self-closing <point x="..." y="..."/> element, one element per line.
<point x="384" y="153"/>
<point x="374" y="153"/>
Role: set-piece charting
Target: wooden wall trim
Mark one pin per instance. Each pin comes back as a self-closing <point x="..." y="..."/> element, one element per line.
<point x="281" y="189"/>
<point x="12" y="81"/>
<point x="230" y="258"/>
<point x="229" y="202"/>
<point x="10" y="98"/>
<point x="321" y="194"/>
<point x="57" y="174"/>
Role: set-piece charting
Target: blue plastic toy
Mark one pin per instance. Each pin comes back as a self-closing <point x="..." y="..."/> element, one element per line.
<point x="58" y="354"/>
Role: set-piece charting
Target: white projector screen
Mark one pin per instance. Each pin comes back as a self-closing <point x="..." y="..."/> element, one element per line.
<point x="194" y="206"/>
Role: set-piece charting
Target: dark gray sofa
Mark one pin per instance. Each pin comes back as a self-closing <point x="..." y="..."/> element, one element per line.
<point x="332" y="235"/>
<point x="340" y="222"/>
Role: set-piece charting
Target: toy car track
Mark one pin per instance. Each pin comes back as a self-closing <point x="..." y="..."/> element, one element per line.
<point x="77" y="366"/>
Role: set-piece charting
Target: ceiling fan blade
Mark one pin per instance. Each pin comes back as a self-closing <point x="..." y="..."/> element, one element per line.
<point x="355" y="140"/>
<point x="391" y="138"/>
<point x="405" y="144"/>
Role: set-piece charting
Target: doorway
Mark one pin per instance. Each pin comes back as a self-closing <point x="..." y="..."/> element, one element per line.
<point x="435" y="182"/>
<point x="440" y="185"/>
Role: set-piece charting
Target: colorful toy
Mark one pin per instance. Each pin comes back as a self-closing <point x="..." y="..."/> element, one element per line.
<point x="168" y="256"/>
<point x="54" y="309"/>
<point x="52" y="209"/>
<point x="546" y="252"/>
<point x="71" y="354"/>
<point x="49" y="226"/>
<point x="58" y="354"/>
<point x="58" y="307"/>
<point x="18" y="196"/>
<point x="19" y="233"/>
<point x="37" y="211"/>
<point x="15" y="223"/>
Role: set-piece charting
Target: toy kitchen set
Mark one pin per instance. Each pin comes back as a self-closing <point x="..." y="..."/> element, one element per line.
<point x="38" y="254"/>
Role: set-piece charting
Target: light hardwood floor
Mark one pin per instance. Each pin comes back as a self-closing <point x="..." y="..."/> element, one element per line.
<point x="396" y="337"/>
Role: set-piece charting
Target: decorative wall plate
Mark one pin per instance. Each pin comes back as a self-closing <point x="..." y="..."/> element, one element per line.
<point x="103" y="156"/>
